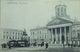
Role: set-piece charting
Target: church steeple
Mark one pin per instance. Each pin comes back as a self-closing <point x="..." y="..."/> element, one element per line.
<point x="60" y="11"/>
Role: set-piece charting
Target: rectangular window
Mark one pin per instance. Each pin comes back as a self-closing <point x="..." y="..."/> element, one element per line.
<point x="58" y="11"/>
<point x="78" y="35"/>
<point x="7" y="32"/>
<point x="77" y="26"/>
<point x="18" y="33"/>
<point x="13" y="32"/>
<point x="40" y="37"/>
<point x="45" y="36"/>
<point x="7" y="37"/>
<point x="10" y="37"/>
<point x="4" y="32"/>
<point x="21" y="33"/>
<point x="33" y="32"/>
<point x="18" y="37"/>
<point x="3" y="36"/>
<point x="62" y="9"/>
<point x="13" y="37"/>
<point x="37" y="32"/>
<point x="62" y="14"/>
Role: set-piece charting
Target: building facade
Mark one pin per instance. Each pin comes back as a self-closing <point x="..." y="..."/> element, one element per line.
<point x="61" y="25"/>
<point x="76" y="33"/>
<point x="39" y="34"/>
<point x="10" y="34"/>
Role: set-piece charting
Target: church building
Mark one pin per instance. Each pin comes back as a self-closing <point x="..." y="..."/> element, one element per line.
<point x="61" y="25"/>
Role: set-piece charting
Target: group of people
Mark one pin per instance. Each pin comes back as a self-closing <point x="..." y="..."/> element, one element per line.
<point x="42" y="44"/>
<point x="4" y="45"/>
<point x="46" y="45"/>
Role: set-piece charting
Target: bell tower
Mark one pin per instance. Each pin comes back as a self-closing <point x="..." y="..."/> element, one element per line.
<point x="60" y="10"/>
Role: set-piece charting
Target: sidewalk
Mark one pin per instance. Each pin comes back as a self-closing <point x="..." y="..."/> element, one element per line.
<point x="37" y="48"/>
<point x="30" y="48"/>
<point x="55" y="48"/>
<point x="34" y="48"/>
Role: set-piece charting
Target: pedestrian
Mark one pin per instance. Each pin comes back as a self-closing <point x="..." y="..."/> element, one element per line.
<point x="2" y="45"/>
<point x="9" y="45"/>
<point x="46" y="45"/>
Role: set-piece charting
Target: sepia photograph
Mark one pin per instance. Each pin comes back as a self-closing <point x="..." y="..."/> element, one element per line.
<point x="39" y="25"/>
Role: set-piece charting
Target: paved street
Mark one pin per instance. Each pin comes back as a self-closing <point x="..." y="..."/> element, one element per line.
<point x="41" y="49"/>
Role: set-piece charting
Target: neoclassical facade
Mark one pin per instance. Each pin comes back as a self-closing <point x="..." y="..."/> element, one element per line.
<point x="10" y="34"/>
<point x="62" y="25"/>
<point x="39" y="34"/>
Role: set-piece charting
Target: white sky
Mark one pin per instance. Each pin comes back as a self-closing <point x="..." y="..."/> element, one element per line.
<point x="28" y="14"/>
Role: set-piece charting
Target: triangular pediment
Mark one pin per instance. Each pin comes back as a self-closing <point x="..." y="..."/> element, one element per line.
<point x="58" y="21"/>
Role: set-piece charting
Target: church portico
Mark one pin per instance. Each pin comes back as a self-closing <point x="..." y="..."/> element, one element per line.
<point x="61" y="26"/>
<point x="56" y="34"/>
<point x="61" y="29"/>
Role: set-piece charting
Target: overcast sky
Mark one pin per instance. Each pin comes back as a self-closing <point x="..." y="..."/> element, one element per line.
<point x="28" y="14"/>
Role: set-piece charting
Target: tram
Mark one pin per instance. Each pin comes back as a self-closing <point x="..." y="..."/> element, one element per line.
<point x="18" y="43"/>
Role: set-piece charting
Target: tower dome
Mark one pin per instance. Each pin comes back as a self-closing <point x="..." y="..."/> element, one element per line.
<point x="60" y="10"/>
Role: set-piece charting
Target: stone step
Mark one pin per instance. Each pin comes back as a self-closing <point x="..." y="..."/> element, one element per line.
<point x="55" y="45"/>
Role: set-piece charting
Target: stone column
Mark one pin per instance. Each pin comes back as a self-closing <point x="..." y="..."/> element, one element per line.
<point x="76" y="32"/>
<point x="60" y="35"/>
<point x="52" y="35"/>
<point x="65" y="34"/>
<point x="70" y="34"/>
<point x="78" y="42"/>
<point x="56" y="35"/>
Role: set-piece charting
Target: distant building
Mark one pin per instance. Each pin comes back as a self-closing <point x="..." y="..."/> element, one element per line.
<point x="10" y="34"/>
<point x="40" y="34"/>
<point x="76" y="33"/>
<point x="61" y="25"/>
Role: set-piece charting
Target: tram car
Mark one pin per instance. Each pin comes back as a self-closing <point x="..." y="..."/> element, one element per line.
<point x="18" y="43"/>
